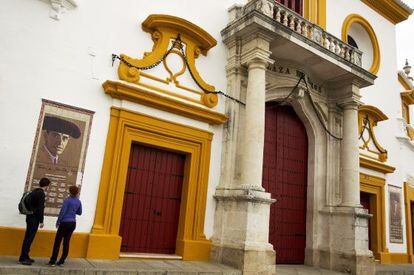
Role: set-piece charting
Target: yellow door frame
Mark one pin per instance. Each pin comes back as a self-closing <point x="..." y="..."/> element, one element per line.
<point x="409" y="198"/>
<point x="375" y="187"/>
<point x="127" y="127"/>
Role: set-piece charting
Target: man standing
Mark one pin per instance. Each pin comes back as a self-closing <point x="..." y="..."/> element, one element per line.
<point x="36" y="203"/>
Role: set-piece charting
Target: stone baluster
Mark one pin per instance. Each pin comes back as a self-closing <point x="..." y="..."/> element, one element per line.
<point x="292" y="22"/>
<point x="278" y="15"/>
<point x="332" y="45"/>
<point x="305" y="30"/>
<point x="285" y="18"/>
<point x="299" y="27"/>
<point x="342" y="53"/>
<point x="327" y="42"/>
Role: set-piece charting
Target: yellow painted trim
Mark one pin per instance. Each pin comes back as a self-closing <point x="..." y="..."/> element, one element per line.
<point x="127" y="127"/>
<point x="375" y="186"/>
<point x="408" y="97"/>
<point x="12" y="238"/>
<point x="358" y="19"/>
<point x="375" y="165"/>
<point x="391" y="10"/>
<point x="136" y="94"/>
<point x="163" y="29"/>
<point x="408" y="199"/>
<point x="315" y="12"/>
<point x="373" y="115"/>
<point x="403" y="82"/>
<point x="322" y="13"/>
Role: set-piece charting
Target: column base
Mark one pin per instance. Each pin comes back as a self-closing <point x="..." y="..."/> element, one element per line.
<point x="347" y="250"/>
<point x="347" y="263"/>
<point x="241" y="231"/>
<point x="248" y="261"/>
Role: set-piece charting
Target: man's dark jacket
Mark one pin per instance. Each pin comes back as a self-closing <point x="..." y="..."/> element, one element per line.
<point x="36" y="203"/>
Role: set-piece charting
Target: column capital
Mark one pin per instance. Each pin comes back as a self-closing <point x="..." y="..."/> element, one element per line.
<point x="256" y="57"/>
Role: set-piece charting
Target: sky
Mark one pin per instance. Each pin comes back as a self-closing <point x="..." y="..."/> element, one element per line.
<point x="405" y="39"/>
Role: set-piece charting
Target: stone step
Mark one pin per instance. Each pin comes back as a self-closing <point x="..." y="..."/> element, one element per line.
<point x="304" y="270"/>
<point x="10" y="266"/>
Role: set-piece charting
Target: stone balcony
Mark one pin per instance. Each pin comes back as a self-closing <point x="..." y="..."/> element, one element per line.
<point x="299" y="41"/>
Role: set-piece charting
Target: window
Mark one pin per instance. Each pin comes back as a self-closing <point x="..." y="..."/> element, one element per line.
<point x="352" y="42"/>
<point x="295" y="5"/>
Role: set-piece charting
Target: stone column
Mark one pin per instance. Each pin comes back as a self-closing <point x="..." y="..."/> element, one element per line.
<point x="348" y="222"/>
<point x="241" y="225"/>
<point x="350" y="156"/>
<point x="254" y="126"/>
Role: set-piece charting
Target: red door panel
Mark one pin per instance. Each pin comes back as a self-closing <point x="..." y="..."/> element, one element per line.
<point x="152" y="200"/>
<point x="285" y="177"/>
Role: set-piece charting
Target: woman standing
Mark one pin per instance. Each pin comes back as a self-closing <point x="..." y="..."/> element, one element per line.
<point x="66" y="224"/>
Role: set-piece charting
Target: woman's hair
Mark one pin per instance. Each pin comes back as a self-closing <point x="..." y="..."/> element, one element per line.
<point x="73" y="190"/>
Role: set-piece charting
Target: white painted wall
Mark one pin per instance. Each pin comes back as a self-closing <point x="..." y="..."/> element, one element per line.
<point x="67" y="61"/>
<point x="385" y="95"/>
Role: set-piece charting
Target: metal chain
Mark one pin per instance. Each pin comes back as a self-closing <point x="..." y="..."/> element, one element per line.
<point x="317" y="113"/>
<point x="176" y="43"/>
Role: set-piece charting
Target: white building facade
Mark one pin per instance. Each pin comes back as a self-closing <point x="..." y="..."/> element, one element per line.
<point x="303" y="157"/>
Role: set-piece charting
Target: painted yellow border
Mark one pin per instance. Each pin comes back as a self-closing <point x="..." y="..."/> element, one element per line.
<point x="408" y="198"/>
<point x="375" y="186"/>
<point x="358" y="19"/>
<point x="139" y="95"/>
<point x="12" y="238"/>
<point x="403" y="82"/>
<point x="375" y="165"/>
<point x="315" y="12"/>
<point x="127" y="127"/>
<point x="390" y="10"/>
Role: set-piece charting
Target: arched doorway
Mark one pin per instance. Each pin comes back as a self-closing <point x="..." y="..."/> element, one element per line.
<point x="285" y="177"/>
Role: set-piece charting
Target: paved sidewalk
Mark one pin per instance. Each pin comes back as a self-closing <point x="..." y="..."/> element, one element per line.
<point x="10" y="266"/>
<point x="394" y="269"/>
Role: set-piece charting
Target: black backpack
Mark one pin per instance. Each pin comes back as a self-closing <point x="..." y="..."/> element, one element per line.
<point x="23" y="207"/>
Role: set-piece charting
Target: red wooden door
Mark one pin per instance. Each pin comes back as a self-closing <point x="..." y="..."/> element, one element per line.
<point x="364" y="198"/>
<point x="295" y="5"/>
<point x="152" y="200"/>
<point x="285" y="177"/>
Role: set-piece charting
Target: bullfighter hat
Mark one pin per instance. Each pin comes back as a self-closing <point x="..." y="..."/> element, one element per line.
<point x="51" y="123"/>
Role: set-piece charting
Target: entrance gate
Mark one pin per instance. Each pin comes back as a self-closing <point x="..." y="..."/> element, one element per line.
<point x="152" y="200"/>
<point x="285" y="177"/>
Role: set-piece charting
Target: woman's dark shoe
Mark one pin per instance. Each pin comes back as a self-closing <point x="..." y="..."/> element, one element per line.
<point x="60" y="263"/>
<point x="26" y="262"/>
<point x="30" y="259"/>
<point x="51" y="264"/>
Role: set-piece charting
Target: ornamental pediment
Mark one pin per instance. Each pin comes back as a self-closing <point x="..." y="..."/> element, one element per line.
<point x="169" y="69"/>
<point x="368" y="118"/>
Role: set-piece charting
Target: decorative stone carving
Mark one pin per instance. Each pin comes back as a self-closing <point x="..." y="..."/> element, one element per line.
<point x="59" y="7"/>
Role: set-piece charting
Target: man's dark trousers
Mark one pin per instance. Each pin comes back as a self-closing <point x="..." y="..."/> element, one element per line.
<point x="32" y="224"/>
